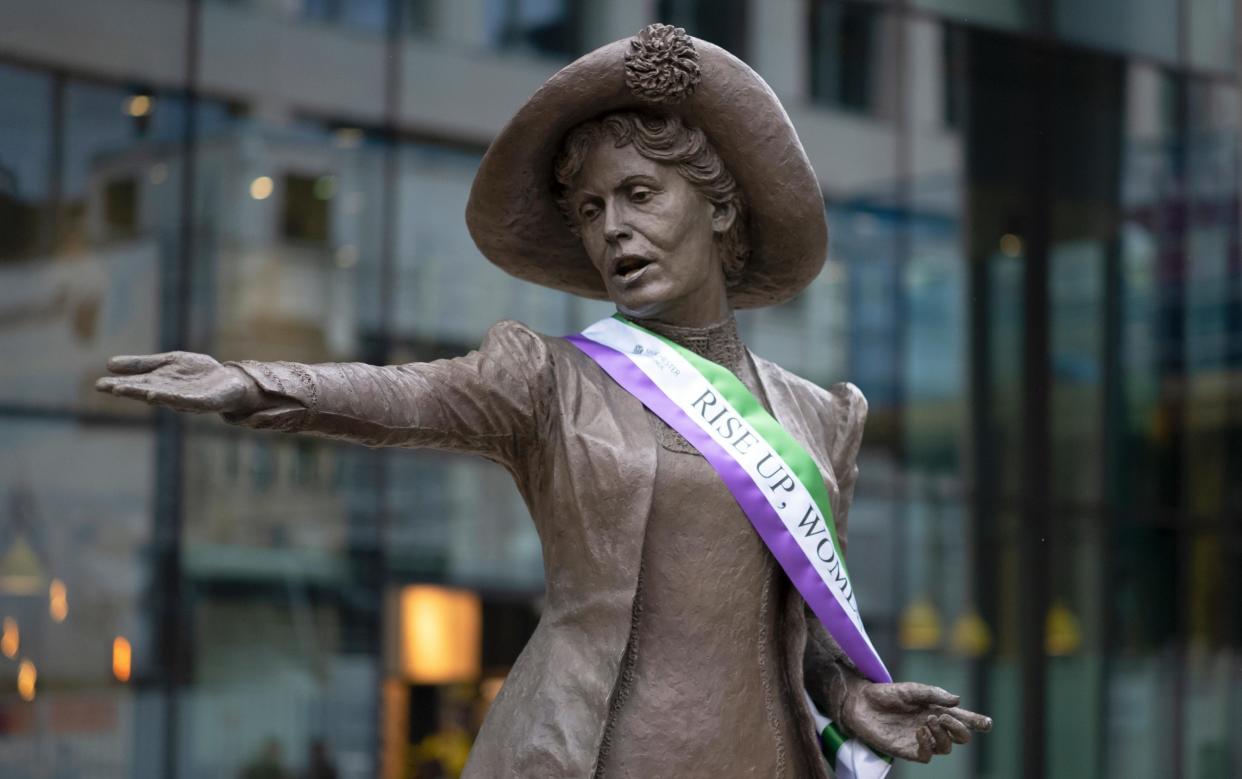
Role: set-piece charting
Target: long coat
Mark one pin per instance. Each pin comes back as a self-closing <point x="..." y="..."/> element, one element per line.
<point x="582" y="452"/>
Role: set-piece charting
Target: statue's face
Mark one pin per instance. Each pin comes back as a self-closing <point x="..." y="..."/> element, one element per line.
<point x="651" y="235"/>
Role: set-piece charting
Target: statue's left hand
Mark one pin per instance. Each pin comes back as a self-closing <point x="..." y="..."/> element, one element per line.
<point x="909" y="720"/>
<point x="182" y="381"/>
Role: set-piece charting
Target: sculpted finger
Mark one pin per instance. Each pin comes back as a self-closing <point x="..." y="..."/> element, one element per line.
<point x="970" y="719"/>
<point x="917" y="694"/>
<point x="942" y="744"/>
<point x="138" y="363"/>
<point x="956" y="730"/>
<point x="107" y="384"/>
<point x="926" y="744"/>
<point x="125" y="387"/>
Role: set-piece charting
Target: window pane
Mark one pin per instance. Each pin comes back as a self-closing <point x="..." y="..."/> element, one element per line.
<point x="25" y="155"/>
<point x="77" y="641"/>
<point x="723" y="22"/>
<point x="278" y="561"/>
<point x="1003" y="14"/>
<point x="97" y="294"/>
<point x="1144" y="27"/>
<point x="550" y="27"/>
<point x="1212" y="36"/>
<point x="846" y="54"/>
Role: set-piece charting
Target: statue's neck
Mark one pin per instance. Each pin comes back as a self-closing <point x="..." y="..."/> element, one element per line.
<point x="719" y="342"/>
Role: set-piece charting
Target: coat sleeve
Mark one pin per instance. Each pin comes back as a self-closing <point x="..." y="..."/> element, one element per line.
<point x="488" y="402"/>
<point x="847" y="416"/>
<point x="827" y="672"/>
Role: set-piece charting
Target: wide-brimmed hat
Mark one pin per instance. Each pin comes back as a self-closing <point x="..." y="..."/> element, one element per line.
<point x="512" y="213"/>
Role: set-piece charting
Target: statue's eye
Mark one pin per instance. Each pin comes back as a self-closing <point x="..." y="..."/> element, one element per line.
<point x="640" y="194"/>
<point x="588" y="211"/>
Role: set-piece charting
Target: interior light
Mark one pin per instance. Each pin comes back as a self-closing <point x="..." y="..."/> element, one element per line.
<point x="10" y="638"/>
<point x="122" y="658"/>
<point x="58" y="600"/>
<point x="27" y="674"/>
<point x="261" y="188"/>
<point x="441" y="630"/>
<point x="138" y="105"/>
<point x="1010" y="245"/>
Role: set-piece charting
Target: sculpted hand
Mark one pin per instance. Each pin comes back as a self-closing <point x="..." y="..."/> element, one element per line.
<point x="909" y="720"/>
<point x="182" y="381"/>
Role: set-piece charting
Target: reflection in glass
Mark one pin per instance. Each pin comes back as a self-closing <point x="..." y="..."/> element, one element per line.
<point x="25" y="153"/>
<point x="1212" y="34"/>
<point x="1144" y="27"/>
<point x="550" y="27"/>
<point x="1013" y="15"/>
<point x="75" y="528"/>
<point x="846" y="64"/>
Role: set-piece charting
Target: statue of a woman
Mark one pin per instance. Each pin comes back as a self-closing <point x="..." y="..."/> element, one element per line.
<point x="684" y="626"/>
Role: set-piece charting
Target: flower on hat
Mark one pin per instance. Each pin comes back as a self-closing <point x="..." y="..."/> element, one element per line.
<point x="661" y="65"/>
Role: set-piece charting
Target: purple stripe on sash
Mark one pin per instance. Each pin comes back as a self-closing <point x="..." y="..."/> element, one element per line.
<point x="752" y="501"/>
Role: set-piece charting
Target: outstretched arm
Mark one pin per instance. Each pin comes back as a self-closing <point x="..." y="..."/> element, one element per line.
<point x="487" y="402"/>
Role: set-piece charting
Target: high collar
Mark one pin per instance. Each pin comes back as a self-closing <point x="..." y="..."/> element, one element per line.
<point x="719" y="342"/>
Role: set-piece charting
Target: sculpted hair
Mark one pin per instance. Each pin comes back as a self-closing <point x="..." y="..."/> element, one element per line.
<point x="666" y="139"/>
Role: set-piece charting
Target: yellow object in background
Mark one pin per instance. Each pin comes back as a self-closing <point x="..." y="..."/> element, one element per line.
<point x="1062" y="634"/>
<point x="919" y="627"/>
<point x="971" y="636"/>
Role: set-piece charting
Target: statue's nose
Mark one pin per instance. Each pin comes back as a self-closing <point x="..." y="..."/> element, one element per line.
<point x="615" y="226"/>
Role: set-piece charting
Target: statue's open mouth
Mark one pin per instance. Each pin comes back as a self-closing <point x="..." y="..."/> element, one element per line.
<point x="631" y="267"/>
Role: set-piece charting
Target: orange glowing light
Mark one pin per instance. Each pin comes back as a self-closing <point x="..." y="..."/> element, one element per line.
<point x="122" y="658"/>
<point x="58" y="600"/>
<point x="441" y="631"/>
<point x="138" y="105"/>
<point x="11" y="638"/>
<point x="261" y="188"/>
<point x="26" y="677"/>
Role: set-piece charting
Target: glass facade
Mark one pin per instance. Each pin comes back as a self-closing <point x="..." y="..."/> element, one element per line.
<point x="1034" y="276"/>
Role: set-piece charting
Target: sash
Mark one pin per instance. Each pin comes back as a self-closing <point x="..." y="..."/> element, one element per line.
<point x="775" y="482"/>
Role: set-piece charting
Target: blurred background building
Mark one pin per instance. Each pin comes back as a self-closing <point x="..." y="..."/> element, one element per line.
<point x="1035" y="277"/>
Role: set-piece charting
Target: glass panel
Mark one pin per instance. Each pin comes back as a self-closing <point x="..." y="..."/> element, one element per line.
<point x="278" y="562"/>
<point x="25" y="156"/>
<point x="723" y="22"/>
<point x="288" y="257"/>
<point x="77" y="644"/>
<point x="362" y="15"/>
<point x="116" y="225"/>
<point x="1003" y="14"/>
<point x="1212" y="34"/>
<point x="368" y="15"/>
<point x="847" y="53"/>
<point x="1209" y="616"/>
<point x="1144" y="27"/>
<point x="449" y="294"/>
<point x="459" y="521"/>
<point x="547" y="27"/>
<point x="283" y="567"/>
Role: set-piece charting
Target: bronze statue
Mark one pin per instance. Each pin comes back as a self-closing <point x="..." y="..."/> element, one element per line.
<point x="662" y="173"/>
